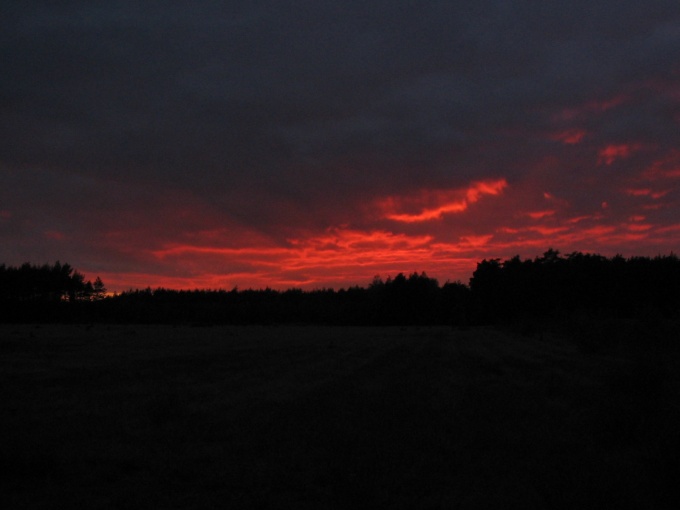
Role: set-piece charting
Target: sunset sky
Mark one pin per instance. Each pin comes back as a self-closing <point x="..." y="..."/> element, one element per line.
<point x="213" y="144"/>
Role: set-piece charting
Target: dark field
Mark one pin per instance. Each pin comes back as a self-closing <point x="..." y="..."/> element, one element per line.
<point x="314" y="417"/>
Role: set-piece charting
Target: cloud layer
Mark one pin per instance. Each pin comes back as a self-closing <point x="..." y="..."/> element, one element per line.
<point x="194" y="144"/>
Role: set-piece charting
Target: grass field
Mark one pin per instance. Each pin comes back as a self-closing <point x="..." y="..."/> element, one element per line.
<point x="313" y="417"/>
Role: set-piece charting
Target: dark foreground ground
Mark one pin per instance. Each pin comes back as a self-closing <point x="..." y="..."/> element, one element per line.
<point x="312" y="417"/>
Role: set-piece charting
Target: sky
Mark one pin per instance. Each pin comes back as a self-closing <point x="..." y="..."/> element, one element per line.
<point x="316" y="144"/>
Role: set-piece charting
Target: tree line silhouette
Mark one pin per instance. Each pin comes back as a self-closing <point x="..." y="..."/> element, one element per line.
<point x="404" y="300"/>
<point x="551" y="286"/>
<point x="47" y="283"/>
<point x="547" y="287"/>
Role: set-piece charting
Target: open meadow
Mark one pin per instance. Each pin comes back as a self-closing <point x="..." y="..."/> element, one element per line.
<point x="331" y="417"/>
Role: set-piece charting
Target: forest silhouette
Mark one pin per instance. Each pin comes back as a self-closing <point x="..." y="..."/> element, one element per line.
<point x="513" y="291"/>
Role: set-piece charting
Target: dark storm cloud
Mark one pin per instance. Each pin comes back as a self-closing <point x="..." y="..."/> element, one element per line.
<point x="226" y="90"/>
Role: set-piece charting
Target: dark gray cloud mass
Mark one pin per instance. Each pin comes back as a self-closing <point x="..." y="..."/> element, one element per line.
<point x="284" y="116"/>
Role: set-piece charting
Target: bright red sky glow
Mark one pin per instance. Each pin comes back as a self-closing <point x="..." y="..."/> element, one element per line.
<point x="212" y="146"/>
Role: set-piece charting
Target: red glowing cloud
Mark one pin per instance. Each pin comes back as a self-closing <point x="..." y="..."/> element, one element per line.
<point x="537" y="215"/>
<point x="611" y="153"/>
<point x="646" y="192"/>
<point x="442" y="231"/>
<point x="593" y="107"/>
<point x="336" y="257"/>
<point x="180" y="241"/>
<point x="665" y="168"/>
<point x="433" y="205"/>
<point x="570" y="136"/>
